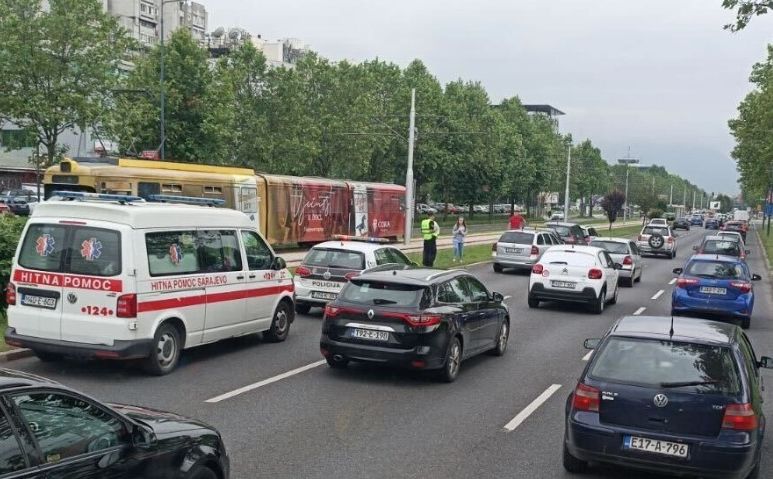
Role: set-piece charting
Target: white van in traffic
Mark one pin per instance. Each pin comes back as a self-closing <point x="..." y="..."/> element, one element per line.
<point x="114" y="277"/>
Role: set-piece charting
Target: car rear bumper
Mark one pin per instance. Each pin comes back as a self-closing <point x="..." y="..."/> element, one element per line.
<point x="737" y="308"/>
<point x="587" y="295"/>
<point x="705" y="458"/>
<point x="666" y="250"/>
<point x="510" y="262"/>
<point x="433" y="357"/>
<point x="127" y="349"/>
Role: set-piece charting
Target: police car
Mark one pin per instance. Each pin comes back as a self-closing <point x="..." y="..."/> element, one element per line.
<point x="328" y="266"/>
<point x="115" y="277"/>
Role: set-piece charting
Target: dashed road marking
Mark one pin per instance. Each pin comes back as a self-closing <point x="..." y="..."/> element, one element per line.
<point x="672" y="281"/>
<point x="639" y="311"/>
<point x="588" y="356"/>
<point x="658" y="294"/>
<point x="265" y="382"/>
<point x="529" y="410"/>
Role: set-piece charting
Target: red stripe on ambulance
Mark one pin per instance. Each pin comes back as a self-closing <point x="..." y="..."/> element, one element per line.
<point x="172" y="303"/>
<point x="59" y="280"/>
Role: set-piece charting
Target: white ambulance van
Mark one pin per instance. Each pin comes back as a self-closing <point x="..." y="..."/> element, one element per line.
<point x="115" y="277"/>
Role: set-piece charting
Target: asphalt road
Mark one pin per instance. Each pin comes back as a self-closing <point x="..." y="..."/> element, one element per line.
<point x="367" y="422"/>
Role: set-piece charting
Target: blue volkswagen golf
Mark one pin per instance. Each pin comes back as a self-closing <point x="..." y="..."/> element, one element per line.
<point x="715" y="285"/>
<point x="674" y="395"/>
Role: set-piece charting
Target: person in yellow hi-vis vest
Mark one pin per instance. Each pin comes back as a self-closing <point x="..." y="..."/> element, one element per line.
<point x="430" y="230"/>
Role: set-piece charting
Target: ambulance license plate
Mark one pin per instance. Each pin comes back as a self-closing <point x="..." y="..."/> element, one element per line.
<point x="38" y="301"/>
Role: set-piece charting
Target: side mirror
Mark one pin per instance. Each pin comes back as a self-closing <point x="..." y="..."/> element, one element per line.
<point x="618" y="266"/>
<point x="497" y="297"/>
<point x="678" y="270"/>
<point x="591" y="343"/>
<point x="766" y="363"/>
<point x="756" y="277"/>
<point x="143" y="437"/>
<point x="278" y="264"/>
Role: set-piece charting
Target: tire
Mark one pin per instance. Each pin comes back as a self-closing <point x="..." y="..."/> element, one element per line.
<point x="202" y="472"/>
<point x="165" y="355"/>
<point x="614" y="298"/>
<point x="498" y="268"/>
<point x="533" y="302"/>
<point x="302" y="308"/>
<point x="500" y="347"/>
<point x="656" y="241"/>
<point x="47" y="357"/>
<point x="280" y="325"/>
<point x="629" y="281"/>
<point x="746" y="323"/>
<point x="572" y="464"/>
<point x="450" y="370"/>
<point x="641" y="273"/>
<point x="598" y="305"/>
<point x="337" y="364"/>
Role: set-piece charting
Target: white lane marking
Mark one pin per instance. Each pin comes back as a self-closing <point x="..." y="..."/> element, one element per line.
<point x="672" y="281"/>
<point x="639" y="311"/>
<point x="265" y="382"/>
<point x="587" y="356"/>
<point x="528" y="410"/>
<point x="657" y="295"/>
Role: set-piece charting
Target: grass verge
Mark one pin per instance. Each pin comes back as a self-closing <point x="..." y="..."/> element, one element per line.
<point x="767" y="242"/>
<point x="472" y="254"/>
<point x="3" y="325"/>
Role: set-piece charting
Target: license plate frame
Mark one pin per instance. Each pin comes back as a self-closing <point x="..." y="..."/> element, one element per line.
<point x="35" y="301"/>
<point x="713" y="290"/>
<point x="656" y="446"/>
<point x="324" y="295"/>
<point x="370" y="334"/>
<point x="558" y="284"/>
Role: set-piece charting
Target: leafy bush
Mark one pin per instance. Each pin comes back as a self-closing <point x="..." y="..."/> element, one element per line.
<point x="10" y="232"/>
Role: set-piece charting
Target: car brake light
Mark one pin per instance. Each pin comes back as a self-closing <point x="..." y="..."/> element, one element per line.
<point x="10" y="294"/>
<point x="742" y="286"/>
<point x="586" y="398"/>
<point x="641" y="238"/>
<point x="740" y="417"/>
<point x="595" y="273"/>
<point x="422" y="319"/>
<point x="351" y="275"/>
<point x="534" y="250"/>
<point x="331" y="311"/>
<point x="537" y="269"/>
<point x="302" y="271"/>
<point x="628" y="260"/>
<point x="670" y="240"/>
<point x="684" y="282"/>
<point x="126" y="306"/>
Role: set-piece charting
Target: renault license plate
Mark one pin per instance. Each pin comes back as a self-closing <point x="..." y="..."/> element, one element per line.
<point x="324" y="295"/>
<point x="38" y="301"/>
<point x="371" y="334"/>
<point x="655" y="446"/>
<point x="713" y="290"/>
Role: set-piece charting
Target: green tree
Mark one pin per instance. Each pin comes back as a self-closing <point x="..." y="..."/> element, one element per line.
<point x="613" y="203"/>
<point x="590" y="173"/>
<point x="58" y="65"/>
<point x="745" y="10"/>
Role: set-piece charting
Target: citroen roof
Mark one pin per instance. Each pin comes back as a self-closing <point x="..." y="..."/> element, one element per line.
<point x="684" y="329"/>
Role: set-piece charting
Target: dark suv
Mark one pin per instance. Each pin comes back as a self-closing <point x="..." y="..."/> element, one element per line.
<point x="570" y="233"/>
<point x="671" y="395"/>
<point x="418" y="318"/>
<point x="51" y="431"/>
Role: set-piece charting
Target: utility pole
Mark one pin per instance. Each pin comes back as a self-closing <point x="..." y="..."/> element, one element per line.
<point x="409" y="193"/>
<point x="693" y="200"/>
<point x="671" y="197"/>
<point x="627" y="161"/>
<point x="566" y="191"/>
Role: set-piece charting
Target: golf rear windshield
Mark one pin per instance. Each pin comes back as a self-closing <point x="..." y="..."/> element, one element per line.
<point x="386" y="294"/>
<point x="517" y="237"/>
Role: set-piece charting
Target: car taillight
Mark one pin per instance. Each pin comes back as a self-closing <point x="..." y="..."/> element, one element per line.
<point x="534" y="250"/>
<point x="351" y="275"/>
<point x="537" y="269"/>
<point x="684" y="282"/>
<point x="627" y="261"/>
<point x="670" y="240"/>
<point x="641" y="238"/>
<point x="126" y="307"/>
<point x="10" y="294"/>
<point x="595" y="273"/>
<point x="586" y="398"/>
<point x="742" y="286"/>
<point x="740" y="417"/>
<point x="331" y="311"/>
<point x="422" y="319"/>
<point x="302" y="271"/>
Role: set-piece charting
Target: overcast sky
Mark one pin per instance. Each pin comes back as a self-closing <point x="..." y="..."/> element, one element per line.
<point x="660" y="76"/>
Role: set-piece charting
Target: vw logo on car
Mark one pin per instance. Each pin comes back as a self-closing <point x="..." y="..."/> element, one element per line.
<point x="660" y="400"/>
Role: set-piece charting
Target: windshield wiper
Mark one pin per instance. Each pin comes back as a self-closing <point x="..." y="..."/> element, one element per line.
<point x="680" y="384"/>
<point x="383" y="301"/>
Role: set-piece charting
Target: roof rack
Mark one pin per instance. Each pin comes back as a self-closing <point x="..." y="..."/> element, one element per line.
<point x="84" y="196"/>
<point x="187" y="200"/>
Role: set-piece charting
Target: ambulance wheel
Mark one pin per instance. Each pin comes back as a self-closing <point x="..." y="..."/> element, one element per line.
<point x="280" y="325"/>
<point x="47" y="357"/>
<point x="166" y="351"/>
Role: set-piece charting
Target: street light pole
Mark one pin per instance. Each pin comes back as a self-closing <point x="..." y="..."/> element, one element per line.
<point x="409" y="193"/>
<point x="566" y="191"/>
<point x="627" y="161"/>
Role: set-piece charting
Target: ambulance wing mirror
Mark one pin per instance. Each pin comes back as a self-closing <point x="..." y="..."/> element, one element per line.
<point x="278" y="264"/>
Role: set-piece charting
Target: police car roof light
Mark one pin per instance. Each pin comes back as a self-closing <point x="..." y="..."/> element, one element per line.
<point x="84" y="196"/>
<point x="364" y="239"/>
<point x="187" y="200"/>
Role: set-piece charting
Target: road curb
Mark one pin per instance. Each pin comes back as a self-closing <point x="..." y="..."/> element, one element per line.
<point x="14" y="354"/>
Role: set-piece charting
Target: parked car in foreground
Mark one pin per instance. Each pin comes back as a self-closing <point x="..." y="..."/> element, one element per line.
<point x="521" y="249"/>
<point x="626" y="253"/>
<point x="670" y="395"/>
<point x="51" y="431"/>
<point x="419" y="318"/>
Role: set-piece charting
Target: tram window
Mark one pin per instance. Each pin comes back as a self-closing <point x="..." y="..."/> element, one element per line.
<point x="145" y="190"/>
<point x="213" y="190"/>
<point x="171" y="188"/>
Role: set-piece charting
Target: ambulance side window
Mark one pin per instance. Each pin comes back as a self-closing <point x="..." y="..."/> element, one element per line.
<point x="96" y="252"/>
<point x="219" y="251"/>
<point x="259" y="255"/>
<point x="172" y="252"/>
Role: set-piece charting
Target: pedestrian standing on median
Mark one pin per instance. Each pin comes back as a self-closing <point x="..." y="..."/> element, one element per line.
<point x="459" y="232"/>
<point x="516" y="221"/>
<point x="430" y="230"/>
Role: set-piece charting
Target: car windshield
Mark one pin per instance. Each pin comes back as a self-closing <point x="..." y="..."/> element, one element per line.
<point x="654" y="230"/>
<point x="613" y="247"/>
<point x="716" y="269"/>
<point x="517" y="237"/>
<point x="724" y="247"/>
<point x="379" y="293"/>
<point x="666" y="364"/>
<point x="335" y="258"/>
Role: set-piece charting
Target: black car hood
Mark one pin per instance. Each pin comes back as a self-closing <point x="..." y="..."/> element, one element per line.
<point x="162" y="422"/>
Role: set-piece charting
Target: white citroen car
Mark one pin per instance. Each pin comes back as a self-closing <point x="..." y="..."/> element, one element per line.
<point x="576" y="274"/>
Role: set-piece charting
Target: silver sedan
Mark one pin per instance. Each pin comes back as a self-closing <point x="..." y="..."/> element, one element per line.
<point x="625" y="252"/>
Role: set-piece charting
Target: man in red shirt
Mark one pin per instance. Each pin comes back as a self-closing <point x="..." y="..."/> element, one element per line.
<point x="516" y="221"/>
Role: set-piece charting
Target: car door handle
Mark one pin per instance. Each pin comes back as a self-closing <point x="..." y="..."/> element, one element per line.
<point x="252" y="276"/>
<point x="481" y="315"/>
<point x="240" y="277"/>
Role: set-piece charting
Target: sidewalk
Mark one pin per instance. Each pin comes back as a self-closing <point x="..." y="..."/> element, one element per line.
<point x="294" y="258"/>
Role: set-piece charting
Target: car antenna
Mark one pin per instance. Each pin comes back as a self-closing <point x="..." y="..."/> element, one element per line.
<point x="671" y="331"/>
